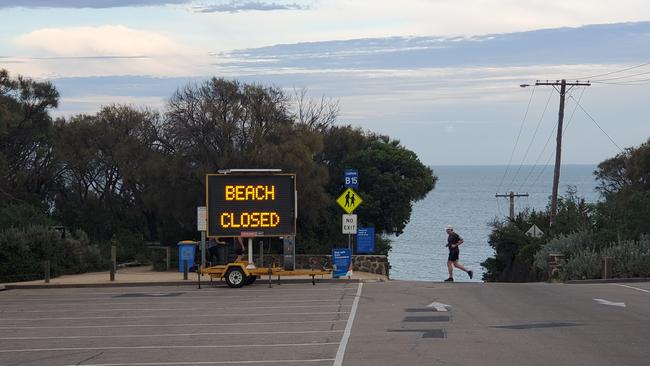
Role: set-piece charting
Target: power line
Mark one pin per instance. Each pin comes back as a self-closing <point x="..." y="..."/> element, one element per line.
<point x="532" y="139"/>
<point x="596" y="123"/>
<point x="523" y="121"/>
<point x="623" y="77"/>
<point x="616" y="71"/>
<point x="625" y="82"/>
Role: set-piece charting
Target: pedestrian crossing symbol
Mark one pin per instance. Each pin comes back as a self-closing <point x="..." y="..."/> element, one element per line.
<point x="349" y="200"/>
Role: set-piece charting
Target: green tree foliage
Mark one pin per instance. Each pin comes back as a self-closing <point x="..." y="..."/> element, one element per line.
<point x="515" y="252"/>
<point x="624" y="183"/>
<point x="26" y="156"/>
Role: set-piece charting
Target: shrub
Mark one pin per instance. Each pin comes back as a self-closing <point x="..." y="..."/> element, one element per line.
<point x="23" y="252"/>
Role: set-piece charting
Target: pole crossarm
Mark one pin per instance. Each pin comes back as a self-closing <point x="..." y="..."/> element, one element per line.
<point x="560" y="82"/>
<point x="512" y="196"/>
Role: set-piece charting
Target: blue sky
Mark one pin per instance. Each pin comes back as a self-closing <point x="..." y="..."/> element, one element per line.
<point x="441" y="76"/>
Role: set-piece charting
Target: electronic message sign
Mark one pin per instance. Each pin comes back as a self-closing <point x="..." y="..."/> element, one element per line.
<point x="251" y="204"/>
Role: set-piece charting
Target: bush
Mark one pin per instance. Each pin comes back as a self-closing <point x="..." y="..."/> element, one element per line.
<point x="569" y="245"/>
<point x="23" y="252"/>
<point x="585" y="264"/>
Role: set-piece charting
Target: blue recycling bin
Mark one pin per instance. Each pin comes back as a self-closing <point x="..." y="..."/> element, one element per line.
<point x="186" y="253"/>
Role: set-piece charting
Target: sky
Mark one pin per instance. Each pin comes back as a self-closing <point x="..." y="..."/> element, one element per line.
<point x="441" y="76"/>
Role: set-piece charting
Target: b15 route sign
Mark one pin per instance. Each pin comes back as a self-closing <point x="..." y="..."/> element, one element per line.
<point x="251" y="204"/>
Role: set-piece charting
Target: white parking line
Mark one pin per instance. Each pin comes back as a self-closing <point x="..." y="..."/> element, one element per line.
<point x="52" y="300"/>
<point x="173" y="309"/>
<point x="210" y="362"/>
<point x="167" y="290"/>
<point x="340" y="353"/>
<point x="166" y="347"/>
<point x="157" y="302"/>
<point x="172" y="316"/>
<point x="172" y="335"/>
<point x="633" y="288"/>
<point x="239" y="324"/>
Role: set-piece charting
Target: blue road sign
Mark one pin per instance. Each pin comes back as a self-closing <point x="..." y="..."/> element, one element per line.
<point x="366" y="240"/>
<point x="341" y="260"/>
<point x="351" y="178"/>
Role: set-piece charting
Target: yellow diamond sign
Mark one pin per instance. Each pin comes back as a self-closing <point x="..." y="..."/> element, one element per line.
<point x="349" y="200"/>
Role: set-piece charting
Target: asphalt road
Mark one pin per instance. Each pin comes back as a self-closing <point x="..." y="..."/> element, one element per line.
<point x="502" y="324"/>
<point x="329" y="324"/>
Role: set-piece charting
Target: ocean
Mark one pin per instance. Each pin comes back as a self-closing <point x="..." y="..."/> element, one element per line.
<point x="464" y="197"/>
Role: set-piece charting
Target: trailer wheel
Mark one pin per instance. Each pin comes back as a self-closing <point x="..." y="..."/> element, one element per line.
<point x="250" y="279"/>
<point x="235" y="278"/>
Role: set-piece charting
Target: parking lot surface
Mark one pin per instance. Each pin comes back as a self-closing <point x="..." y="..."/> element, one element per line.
<point x="287" y="324"/>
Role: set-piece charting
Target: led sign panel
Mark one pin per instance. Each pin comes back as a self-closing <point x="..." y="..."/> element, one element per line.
<point x="251" y="204"/>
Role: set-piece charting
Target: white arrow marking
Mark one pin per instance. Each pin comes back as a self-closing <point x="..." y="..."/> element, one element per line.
<point x="610" y="303"/>
<point x="439" y="306"/>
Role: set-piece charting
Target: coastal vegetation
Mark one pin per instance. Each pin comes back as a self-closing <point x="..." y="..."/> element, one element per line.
<point x="617" y="227"/>
<point x="70" y="186"/>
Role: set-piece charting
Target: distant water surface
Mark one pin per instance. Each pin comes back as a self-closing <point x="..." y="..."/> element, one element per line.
<point x="464" y="198"/>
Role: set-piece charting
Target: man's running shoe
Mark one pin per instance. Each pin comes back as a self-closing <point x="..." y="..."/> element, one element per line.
<point x="449" y="279"/>
<point x="471" y="274"/>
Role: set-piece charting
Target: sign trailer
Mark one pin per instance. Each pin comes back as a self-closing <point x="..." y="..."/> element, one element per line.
<point x="251" y="203"/>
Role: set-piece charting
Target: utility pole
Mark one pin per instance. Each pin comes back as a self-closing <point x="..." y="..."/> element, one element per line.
<point x="512" y="196"/>
<point x="558" y="146"/>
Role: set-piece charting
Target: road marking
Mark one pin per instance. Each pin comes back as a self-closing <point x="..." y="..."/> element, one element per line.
<point x="167" y="347"/>
<point x="340" y="353"/>
<point x="172" y="335"/>
<point x="52" y="301"/>
<point x="171" y="317"/>
<point x="610" y="303"/>
<point x="22" y="305"/>
<point x="172" y="309"/>
<point x="210" y="362"/>
<point x="172" y="325"/>
<point x="439" y="306"/>
<point x="632" y="287"/>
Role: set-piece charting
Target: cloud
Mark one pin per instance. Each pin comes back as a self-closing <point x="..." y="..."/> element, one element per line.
<point x="589" y="44"/>
<point x="112" y="40"/>
<point x="94" y="4"/>
<point x="236" y="6"/>
<point x="106" y="50"/>
<point x="218" y="6"/>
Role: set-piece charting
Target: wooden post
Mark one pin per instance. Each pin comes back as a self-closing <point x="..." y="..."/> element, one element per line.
<point x="47" y="271"/>
<point x="113" y="261"/>
<point x="168" y="259"/>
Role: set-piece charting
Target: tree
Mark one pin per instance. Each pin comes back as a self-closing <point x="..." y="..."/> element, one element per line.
<point x="26" y="153"/>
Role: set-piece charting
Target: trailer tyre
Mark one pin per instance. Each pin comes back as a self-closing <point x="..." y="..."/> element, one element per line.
<point x="235" y="278"/>
<point x="250" y="279"/>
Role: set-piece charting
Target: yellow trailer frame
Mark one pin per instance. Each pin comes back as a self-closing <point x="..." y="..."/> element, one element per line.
<point x="239" y="274"/>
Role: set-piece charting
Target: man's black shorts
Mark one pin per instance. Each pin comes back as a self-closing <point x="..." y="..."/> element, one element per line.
<point x="453" y="255"/>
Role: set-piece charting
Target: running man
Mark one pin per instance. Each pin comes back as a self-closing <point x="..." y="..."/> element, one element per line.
<point x="453" y="242"/>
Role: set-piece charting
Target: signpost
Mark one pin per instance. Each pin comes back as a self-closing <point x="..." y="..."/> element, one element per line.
<point x="349" y="200"/>
<point x="201" y="226"/>
<point x="366" y="240"/>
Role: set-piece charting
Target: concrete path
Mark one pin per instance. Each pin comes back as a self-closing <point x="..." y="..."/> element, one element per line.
<point x="144" y="275"/>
